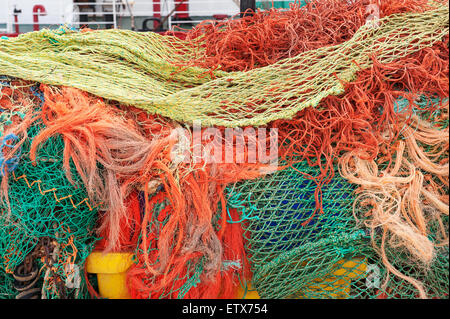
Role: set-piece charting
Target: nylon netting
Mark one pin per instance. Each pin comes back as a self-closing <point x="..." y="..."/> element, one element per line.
<point x="139" y="69"/>
<point x="43" y="204"/>
<point x="285" y="236"/>
<point x="7" y="290"/>
<point x="296" y="253"/>
<point x="182" y="283"/>
<point x="358" y="207"/>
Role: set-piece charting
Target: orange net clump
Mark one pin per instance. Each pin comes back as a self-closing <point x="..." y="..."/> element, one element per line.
<point x="189" y="274"/>
<point x="270" y="36"/>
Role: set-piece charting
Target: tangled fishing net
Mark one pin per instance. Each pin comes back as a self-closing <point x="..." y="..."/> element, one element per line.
<point x="146" y="75"/>
<point x="99" y="151"/>
<point x="45" y="216"/>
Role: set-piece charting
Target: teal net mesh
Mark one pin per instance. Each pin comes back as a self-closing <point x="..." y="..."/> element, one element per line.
<point x="44" y="204"/>
<point x="295" y="252"/>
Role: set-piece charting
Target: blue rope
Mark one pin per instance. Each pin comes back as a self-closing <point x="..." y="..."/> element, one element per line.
<point x="37" y="93"/>
<point x="12" y="163"/>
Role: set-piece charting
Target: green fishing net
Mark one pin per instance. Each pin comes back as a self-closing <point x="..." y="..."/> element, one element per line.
<point x="289" y="245"/>
<point x="7" y="290"/>
<point x="44" y="204"/>
<point x="295" y="252"/>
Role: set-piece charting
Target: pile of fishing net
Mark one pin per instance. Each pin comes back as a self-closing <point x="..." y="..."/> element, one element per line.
<point x="114" y="141"/>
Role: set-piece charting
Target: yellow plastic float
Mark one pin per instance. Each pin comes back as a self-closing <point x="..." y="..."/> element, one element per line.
<point x="336" y="285"/>
<point x="111" y="272"/>
<point x="251" y="293"/>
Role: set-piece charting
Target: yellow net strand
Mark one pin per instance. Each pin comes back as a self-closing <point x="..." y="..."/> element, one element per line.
<point x="140" y="69"/>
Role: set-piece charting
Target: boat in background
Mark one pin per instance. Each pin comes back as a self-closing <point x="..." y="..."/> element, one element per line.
<point x="20" y="16"/>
